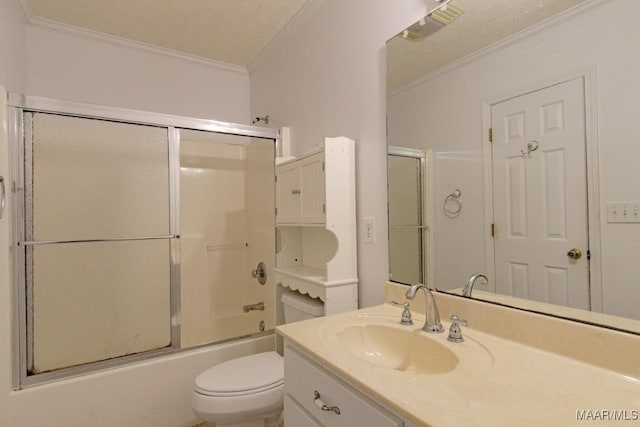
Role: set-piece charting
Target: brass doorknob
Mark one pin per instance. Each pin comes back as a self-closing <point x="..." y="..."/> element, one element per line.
<point x="574" y="253"/>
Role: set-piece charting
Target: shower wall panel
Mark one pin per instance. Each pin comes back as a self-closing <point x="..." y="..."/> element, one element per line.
<point x="214" y="240"/>
<point x="261" y="214"/>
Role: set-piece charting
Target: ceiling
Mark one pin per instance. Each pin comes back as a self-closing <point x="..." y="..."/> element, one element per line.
<point x="230" y="31"/>
<point x="235" y="31"/>
<point x="483" y="23"/>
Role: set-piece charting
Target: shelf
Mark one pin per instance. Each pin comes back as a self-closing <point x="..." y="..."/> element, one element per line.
<point x="319" y="225"/>
<point x="309" y="274"/>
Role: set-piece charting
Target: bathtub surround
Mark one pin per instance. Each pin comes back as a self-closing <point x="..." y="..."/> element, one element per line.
<point x="154" y="393"/>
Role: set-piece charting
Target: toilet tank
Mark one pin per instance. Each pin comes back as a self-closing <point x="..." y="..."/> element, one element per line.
<point x="300" y="307"/>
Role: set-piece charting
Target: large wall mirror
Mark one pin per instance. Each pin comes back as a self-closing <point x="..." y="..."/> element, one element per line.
<point x="528" y="116"/>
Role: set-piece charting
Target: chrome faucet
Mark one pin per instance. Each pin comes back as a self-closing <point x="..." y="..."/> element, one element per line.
<point x="251" y="307"/>
<point x="431" y="316"/>
<point x="466" y="292"/>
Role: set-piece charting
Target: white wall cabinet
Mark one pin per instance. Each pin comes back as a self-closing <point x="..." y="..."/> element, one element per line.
<point x="309" y="385"/>
<point x="316" y="225"/>
<point x="301" y="191"/>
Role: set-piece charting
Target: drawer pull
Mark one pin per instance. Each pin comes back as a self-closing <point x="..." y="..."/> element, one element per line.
<point x="320" y="404"/>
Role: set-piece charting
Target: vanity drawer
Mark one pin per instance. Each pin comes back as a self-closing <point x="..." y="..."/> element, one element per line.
<point x="303" y="378"/>
<point x="296" y="415"/>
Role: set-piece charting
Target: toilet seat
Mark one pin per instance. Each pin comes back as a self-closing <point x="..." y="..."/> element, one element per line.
<point x="246" y="375"/>
<point x="240" y="390"/>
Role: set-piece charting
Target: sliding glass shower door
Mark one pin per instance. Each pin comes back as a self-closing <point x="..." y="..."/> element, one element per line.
<point x="135" y="235"/>
<point x="97" y="240"/>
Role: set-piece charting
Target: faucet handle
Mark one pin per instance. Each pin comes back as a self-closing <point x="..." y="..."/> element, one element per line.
<point x="455" y="332"/>
<point x="406" y="313"/>
<point x="455" y="319"/>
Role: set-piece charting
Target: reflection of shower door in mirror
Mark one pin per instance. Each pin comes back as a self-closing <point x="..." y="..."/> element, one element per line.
<point x="540" y="195"/>
<point x="407" y="225"/>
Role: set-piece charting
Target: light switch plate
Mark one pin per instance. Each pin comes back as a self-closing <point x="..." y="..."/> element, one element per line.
<point x="623" y="212"/>
<point x="370" y="229"/>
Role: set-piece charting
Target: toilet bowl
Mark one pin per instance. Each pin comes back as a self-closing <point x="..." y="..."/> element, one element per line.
<point x="243" y="392"/>
<point x="249" y="391"/>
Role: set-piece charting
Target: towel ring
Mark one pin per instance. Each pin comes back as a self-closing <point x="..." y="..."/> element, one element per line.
<point x="453" y="203"/>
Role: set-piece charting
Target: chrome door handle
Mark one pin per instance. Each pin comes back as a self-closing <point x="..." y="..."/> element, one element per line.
<point x="3" y="196"/>
<point x="574" y="253"/>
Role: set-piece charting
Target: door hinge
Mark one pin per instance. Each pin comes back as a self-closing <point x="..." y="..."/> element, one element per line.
<point x="322" y="166"/>
<point x="493" y="230"/>
<point x="588" y="254"/>
<point x="324" y="208"/>
<point x="276" y="177"/>
<point x="490" y="134"/>
<point x="276" y="211"/>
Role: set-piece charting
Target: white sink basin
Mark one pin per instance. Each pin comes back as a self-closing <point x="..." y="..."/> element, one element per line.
<point x="379" y="340"/>
<point x="408" y="350"/>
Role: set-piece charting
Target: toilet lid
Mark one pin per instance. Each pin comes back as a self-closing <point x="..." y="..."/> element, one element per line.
<point x="248" y="374"/>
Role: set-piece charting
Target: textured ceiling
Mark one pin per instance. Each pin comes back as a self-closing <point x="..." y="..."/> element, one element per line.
<point x="484" y="22"/>
<point x="235" y="31"/>
<point x="231" y="31"/>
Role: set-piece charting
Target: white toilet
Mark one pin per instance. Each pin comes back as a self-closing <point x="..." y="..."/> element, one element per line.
<point x="249" y="391"/>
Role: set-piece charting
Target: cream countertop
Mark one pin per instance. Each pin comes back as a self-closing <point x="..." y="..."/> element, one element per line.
<point x="504" y="384"/>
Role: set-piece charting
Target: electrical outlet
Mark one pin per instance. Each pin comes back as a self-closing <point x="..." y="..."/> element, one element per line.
<point x="370" y="230"/>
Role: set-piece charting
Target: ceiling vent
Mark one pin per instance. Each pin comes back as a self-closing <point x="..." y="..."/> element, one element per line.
<point x="447" y="13"/>
<point x="432" y="22"/>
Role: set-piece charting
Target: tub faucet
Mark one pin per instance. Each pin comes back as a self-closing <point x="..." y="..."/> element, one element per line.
<point x="466" y="292"/>
<point x="251" y="307"/>
<point x="431" y="316"/>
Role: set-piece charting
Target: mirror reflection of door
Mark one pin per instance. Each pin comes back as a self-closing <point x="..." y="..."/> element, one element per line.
<point x="407" y="226"/>
<point x="540" y="195"/>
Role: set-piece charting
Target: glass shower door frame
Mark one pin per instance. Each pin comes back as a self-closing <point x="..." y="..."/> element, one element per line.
<point x="21" y="104"/>
<point x="424" y="186"/>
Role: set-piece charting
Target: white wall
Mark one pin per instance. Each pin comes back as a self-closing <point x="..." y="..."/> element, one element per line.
<point x="13" y="55"/>
<point x="444" y="112"/>
<point x="326" y="77"/>
<point x="78" y="67"/>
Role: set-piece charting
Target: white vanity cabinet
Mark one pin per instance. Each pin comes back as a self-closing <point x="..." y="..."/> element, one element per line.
<point x="310" y="387"/>
<point x="316" y="225"/>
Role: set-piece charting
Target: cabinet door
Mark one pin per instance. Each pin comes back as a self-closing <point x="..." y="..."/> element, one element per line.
<point x="312" y="188"/>
<point x="287" y="197"/>
<point x="296" y="415"/>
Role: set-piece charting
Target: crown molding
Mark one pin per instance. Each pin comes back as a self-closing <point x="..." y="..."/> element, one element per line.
<point x="26" y="11"/>
<point x="51" y="25"/>
<point x="300" y="17"/>
<point x="502" y="43"/>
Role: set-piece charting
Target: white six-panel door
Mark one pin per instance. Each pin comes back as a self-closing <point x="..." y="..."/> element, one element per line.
<point x="540" y="195"/>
